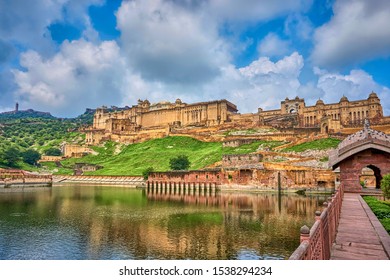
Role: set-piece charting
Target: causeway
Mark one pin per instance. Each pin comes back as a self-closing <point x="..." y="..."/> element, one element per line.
<point x="360" y="235"/>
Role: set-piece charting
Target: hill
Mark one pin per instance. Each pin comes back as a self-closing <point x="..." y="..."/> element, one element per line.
<point x="118" y="159"/>
<point x="30" y="113"/>
<point x="39" y="131"/>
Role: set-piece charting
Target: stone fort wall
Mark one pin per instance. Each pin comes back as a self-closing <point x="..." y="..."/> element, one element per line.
<point x="147" y="121"/>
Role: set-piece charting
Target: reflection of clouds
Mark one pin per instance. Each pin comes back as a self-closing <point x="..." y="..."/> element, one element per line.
<point x="111" y="223"/>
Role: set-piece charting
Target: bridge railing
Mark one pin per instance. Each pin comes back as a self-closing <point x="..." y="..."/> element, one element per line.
<point x="316" y="243"/>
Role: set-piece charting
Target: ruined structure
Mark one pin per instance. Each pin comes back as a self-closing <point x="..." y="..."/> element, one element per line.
<point x="241" y="160"/>
<point x="146" y="121"/>
<point x="366" y="148"/>
<point x="75" y="151"/>
<point x="80" y="168"/>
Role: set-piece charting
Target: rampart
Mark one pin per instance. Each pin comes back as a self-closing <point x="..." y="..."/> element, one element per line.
<point x="208" y="120"/>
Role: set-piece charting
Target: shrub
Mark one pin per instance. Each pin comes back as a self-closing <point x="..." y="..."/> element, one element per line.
<point x="180" y="162"/>
<point x="385" y="186"/>
<point x="146" y="172"/>
<point x="53" y="152"/>
<point x="10" y="156"/>
<point x="31" y="157"/>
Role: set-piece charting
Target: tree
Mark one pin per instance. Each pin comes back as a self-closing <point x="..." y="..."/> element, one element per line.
<point x="31" y="156"/>
<point x="385" y="186"/>
<point x="53" y="152"/>
<point x="180" y="162"/>
<point x="11" y="156"/>
<point x="146" y="172"/>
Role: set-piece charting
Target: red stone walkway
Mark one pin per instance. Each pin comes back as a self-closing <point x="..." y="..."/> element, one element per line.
<point x="360" y="236"/>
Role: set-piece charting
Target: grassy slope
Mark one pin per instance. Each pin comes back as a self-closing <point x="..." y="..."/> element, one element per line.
<point x="381" y="209"/>
<point x="320" y="144"/>
<point x="135" y="158"/>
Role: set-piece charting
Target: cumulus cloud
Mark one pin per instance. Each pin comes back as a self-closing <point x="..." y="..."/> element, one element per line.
<point x="255" y="10"/>
<point x="26" y="22"/>
<point x="172" y="49"/>
<point x="252" y="86"/>
<point x="357" y="32"/>
<point x="356" y="85"/>
<point x="168" y="43"/>
<point x="80" y="75"/>
<point x="273" y="45"/>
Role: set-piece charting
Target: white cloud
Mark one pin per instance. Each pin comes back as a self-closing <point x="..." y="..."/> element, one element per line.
<point x="166" y="42"/>
<point x="358" y="31"/>
<point x="263" y="83"/>
<point x="297" y="25"/>
<point x="273" y="45"/>
<point x="255" y="10"/>
<point x="289" y="66"/>
<point x="172" y="49"/>
<point x="357" y="85"/>
<point x="26" y="22"/>
<point x="81" y="75"/>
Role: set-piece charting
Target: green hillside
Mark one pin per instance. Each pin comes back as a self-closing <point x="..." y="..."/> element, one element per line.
<point x="118" y="159"/>
<point x="34" y="131"/>
<point x="320" y="144"/>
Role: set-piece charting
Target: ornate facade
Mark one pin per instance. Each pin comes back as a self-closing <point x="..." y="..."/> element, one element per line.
<point x="146" y="121"/>
<point x="328" y="117"/>
<point x="157" y="118"/>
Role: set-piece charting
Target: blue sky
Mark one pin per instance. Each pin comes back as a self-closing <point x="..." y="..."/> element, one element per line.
<point x="63" y="56"/>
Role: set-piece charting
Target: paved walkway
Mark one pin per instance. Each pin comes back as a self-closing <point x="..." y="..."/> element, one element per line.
<point x="360" y="236"/>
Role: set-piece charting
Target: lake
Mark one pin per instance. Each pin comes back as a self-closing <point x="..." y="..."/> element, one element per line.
<point x="98" y="222"/>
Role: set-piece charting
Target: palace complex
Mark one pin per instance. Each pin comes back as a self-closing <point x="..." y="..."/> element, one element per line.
<point x="146" y="121"/>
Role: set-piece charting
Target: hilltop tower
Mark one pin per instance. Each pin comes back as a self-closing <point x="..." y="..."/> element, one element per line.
<point x="16" y="107"/>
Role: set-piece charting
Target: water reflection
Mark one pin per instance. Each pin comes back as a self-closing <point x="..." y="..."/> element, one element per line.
<point x="77" y="222"/>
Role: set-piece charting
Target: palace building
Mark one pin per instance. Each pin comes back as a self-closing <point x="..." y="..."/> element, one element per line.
<point x="146" y="121"/>
<point x="329" y="117"/>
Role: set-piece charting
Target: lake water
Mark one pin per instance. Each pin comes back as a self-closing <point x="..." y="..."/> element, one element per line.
<point x="86" y="222"/>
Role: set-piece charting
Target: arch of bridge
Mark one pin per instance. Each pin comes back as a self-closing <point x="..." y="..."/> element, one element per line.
<point x="366" y="147"/>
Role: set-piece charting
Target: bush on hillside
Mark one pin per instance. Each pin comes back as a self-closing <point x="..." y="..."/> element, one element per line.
<point x="31" y="156"/>
<point x="180" y="162"/>
<point x="53" y="152"/>
<point x="10" y="156"/>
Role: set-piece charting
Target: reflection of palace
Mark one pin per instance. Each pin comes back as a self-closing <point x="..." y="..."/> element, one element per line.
<point x="135" y="224"/>
<point x="256" y="202"/>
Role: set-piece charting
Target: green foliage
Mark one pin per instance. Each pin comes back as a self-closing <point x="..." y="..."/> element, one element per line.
<point x="363" y="184"/>
<point x="34" y="130"/>
<point x="381" y="209"/>
<point x="181" y="162"/>
<point x="53" y="152"/>
<point x="324" y="159"/>
<point x="385" y="186"/>
<point x="10" y="156"/>
<point x="250" y="148"/>
<point x="31" y="156"/>
<point x="320" y="144"/>
<point x="146" y="172"/>
<point x="135" y="158"/>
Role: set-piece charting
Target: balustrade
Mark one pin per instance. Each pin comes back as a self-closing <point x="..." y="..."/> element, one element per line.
<point x="316" y="243"/>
